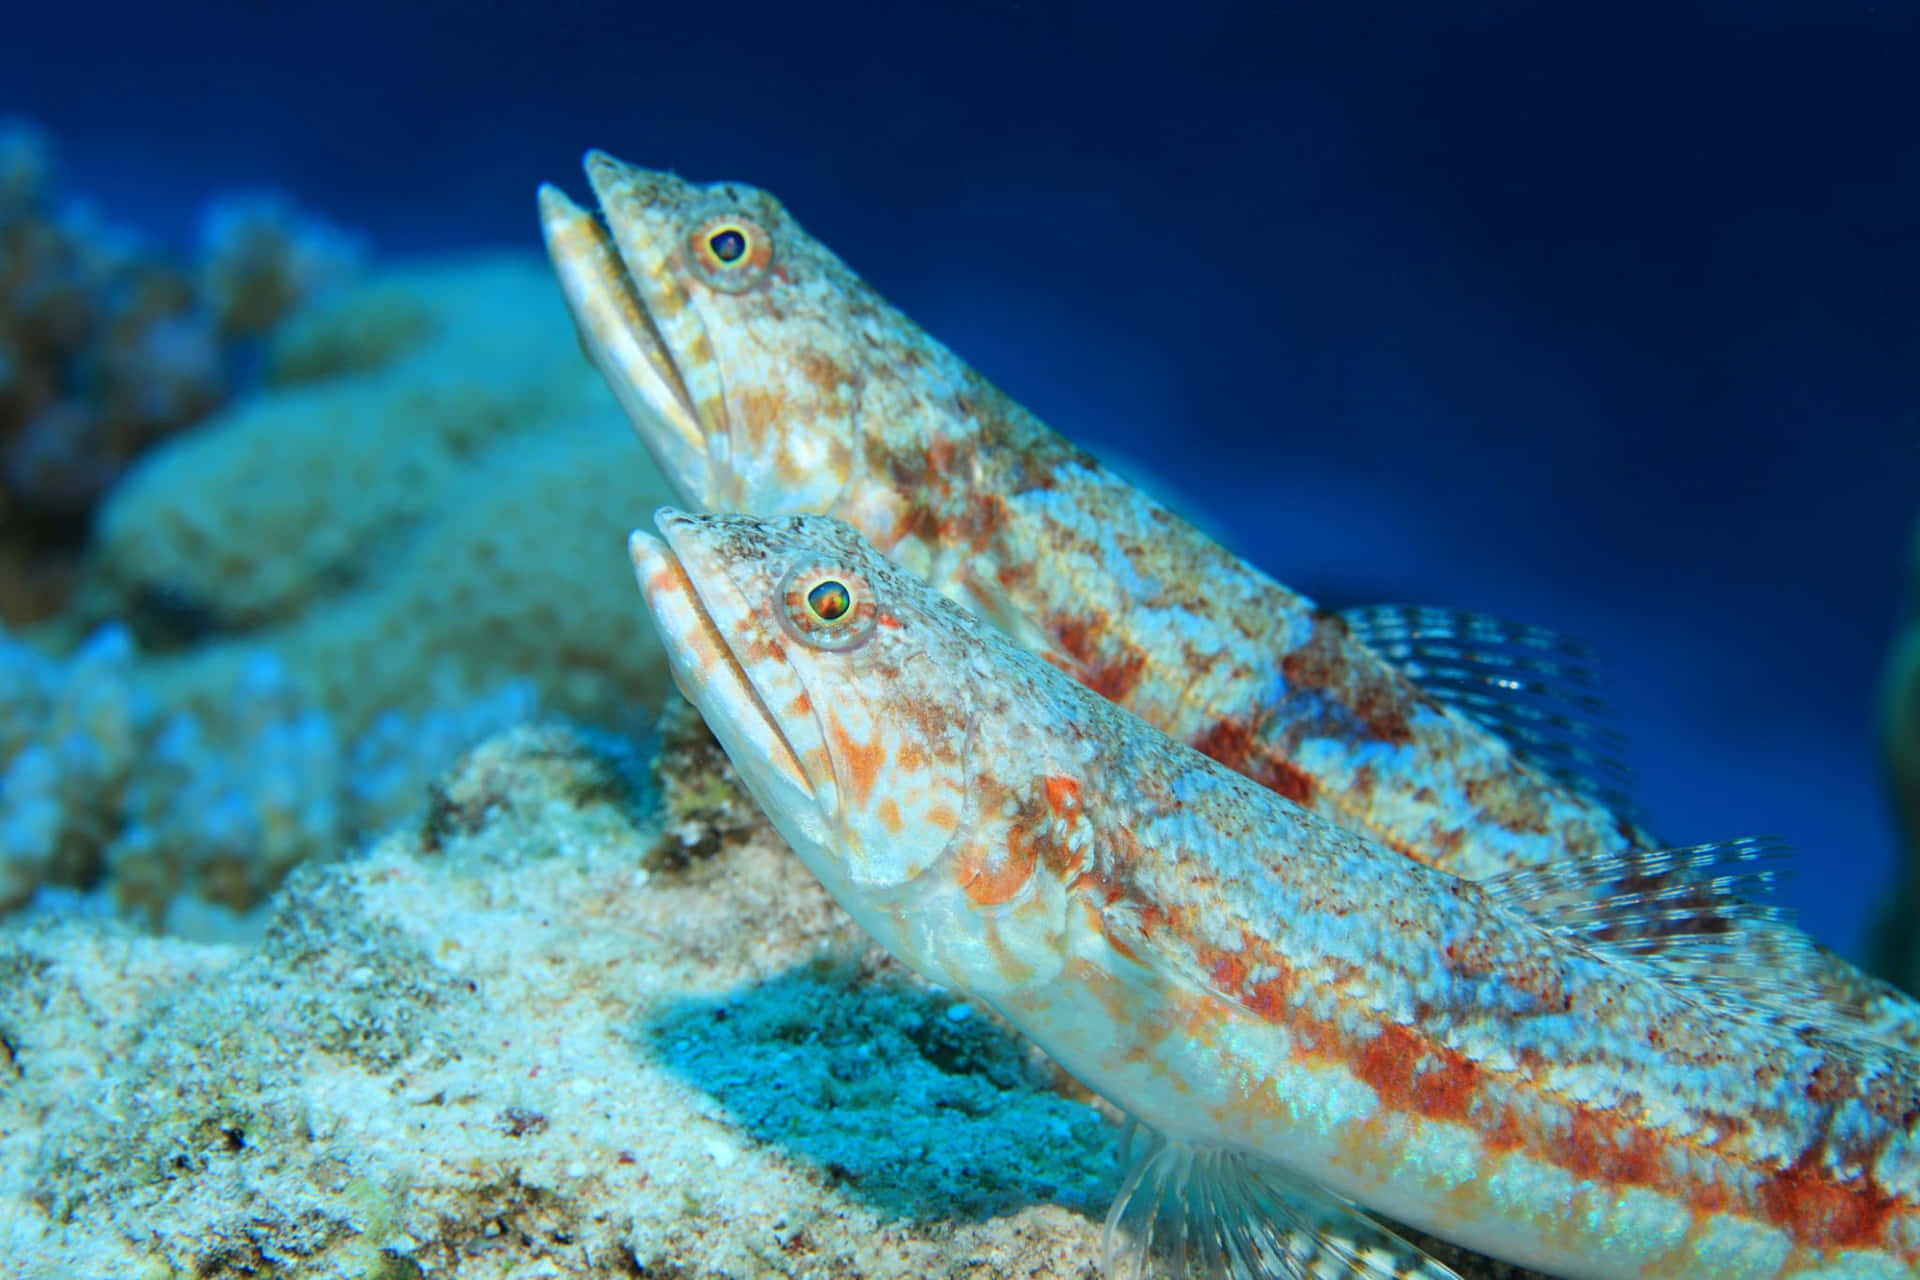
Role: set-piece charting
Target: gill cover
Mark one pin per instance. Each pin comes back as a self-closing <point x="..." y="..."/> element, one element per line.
<point x="895" y="720"/>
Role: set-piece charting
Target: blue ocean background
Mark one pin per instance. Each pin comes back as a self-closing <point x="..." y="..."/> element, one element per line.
<point x="1599" y="316"/>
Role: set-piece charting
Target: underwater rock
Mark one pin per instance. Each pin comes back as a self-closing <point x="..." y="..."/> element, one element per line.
<point x="498" y="1045"/>
<point x="108" y="346"/>
<point x="294" y="495"/>
<point x="435" y="502"/>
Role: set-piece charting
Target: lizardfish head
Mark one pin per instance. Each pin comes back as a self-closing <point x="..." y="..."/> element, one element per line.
<point x="825" y="672"/>
<point x="745" y="353"/>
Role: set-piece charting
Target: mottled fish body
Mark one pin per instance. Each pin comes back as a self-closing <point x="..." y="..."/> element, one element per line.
<point x="1304" y="1020"/>
<point x="765" y="376"/>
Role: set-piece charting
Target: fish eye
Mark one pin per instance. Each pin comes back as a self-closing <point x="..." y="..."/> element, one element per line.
<point x="828" y="607"/>
<point x="829" y="600"/>
<point x="729" y="251"/>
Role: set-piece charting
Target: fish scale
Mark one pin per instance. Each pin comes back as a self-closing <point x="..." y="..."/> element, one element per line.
<point x="1309" y="1025"/>
<point x="780" y="382"/>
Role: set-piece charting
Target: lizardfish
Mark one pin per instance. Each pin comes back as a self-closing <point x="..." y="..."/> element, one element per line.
<point x="1302" y="1020"/>
<point x="766" y="377"/>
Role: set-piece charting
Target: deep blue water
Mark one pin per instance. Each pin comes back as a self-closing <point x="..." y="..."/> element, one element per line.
<point x="1599" y="315"/>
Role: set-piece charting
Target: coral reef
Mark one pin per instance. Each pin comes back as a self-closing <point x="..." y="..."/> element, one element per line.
<point x="433" y="501"/>
<point x="262" y="257"/>
<point x="108" y="346"/>
<point x="411" y="539"/>
<point x="498" y="1045"/>
<point x="185" y="814"/>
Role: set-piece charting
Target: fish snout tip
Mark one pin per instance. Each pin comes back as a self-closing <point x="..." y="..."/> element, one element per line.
<point x="654" y="564"/>
<point x="674" y="526"/>
<point x="556" y="206"/>
<point x="641" y="544"/>
<point x="605" y="171"/>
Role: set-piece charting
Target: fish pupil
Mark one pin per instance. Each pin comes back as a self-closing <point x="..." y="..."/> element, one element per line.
<point x="728" y="244"/>
<point x="829" y="601"/>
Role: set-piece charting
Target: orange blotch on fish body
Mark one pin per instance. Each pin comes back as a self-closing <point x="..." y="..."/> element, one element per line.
<point x="758" y="408"/>
<point x="1601" y="1148"/>
<point x="1271" y="998"/>
<point x="1063" y="795"/>
<point x="1114" y="676"/>
<point x="990" y="882"/>
<point x="1116" y="680"/>
<point x="1412" y="1073"/>
<point x="1505" y="1133"/>
<point x="940" y="455"/>
<point x="1232" y="743"/>
<point x="860" y="763"/>
<point x="1075" y="634"/>
<point x="820" y="372"/>
<point x="1227" y="971"/>
<point x="1822" y="1212"/>
<point x="889" y="814"/>
<point x="1331" y="663"/>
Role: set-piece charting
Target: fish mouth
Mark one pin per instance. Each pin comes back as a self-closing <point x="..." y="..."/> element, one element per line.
<point x="617" y="284"/>
<point x="703" y="621"/>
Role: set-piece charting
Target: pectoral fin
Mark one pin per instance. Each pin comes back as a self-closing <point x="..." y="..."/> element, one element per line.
<point x="1188" y="1212"/>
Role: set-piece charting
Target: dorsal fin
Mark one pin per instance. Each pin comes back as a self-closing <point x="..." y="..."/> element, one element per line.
<point x="1645" y="902"/>
<point x="1689" y="914"/>
<point x="1201" y="1211"/>
<point x="1533" y="687"/>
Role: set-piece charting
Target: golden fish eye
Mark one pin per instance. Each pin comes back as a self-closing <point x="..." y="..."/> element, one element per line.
<point x="829" y="601"/>
<point x="827" y="607"/>
<point x="730" y="252"/>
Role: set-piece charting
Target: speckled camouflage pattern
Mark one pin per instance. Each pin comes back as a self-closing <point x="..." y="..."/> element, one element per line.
<point x="778" y="381"/>
<point x="1245" y="976"/>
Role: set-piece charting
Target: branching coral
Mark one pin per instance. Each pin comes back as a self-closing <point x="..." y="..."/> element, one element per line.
<point x="108" y="345"/>
<point x="115" y="782"/>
